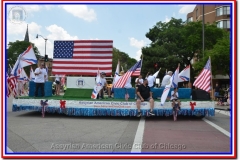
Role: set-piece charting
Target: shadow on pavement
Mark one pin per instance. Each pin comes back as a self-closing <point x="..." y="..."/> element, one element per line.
<point x="156" y="118"/>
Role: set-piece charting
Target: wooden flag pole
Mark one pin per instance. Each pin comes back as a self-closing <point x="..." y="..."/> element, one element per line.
<point x="211" y="78"/>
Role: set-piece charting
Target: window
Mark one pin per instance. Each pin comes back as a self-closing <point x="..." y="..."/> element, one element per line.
<point x="190" y="19"/>
<point x="196" y="13"/>
<point x="225" y="10"/>
<point x="223" y="24"/>
<point x="219" y="11"/>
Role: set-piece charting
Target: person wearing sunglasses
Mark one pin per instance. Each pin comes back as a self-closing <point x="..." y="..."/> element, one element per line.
<point x="40" y="76"/>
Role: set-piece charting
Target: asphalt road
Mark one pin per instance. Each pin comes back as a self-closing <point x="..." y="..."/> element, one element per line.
<point x="29" y="132"/>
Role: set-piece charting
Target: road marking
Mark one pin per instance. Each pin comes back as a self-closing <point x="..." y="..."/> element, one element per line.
<point x="9" y="150"/>
<point x="224" y="112"/>
<point x="217" y="127"/>
<point x="139" y="136"/>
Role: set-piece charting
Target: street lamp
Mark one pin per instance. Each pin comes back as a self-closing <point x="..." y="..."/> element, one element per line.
<point x="45" y="46"/>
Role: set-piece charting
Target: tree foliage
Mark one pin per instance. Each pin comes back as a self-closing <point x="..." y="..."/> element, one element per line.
<point x="125" y="61"/>
<point x="220" y="57"/>
<point x="15" y="49"/>
<point x="176" y="42"/>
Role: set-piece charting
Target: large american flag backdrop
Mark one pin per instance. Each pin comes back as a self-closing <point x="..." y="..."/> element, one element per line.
<point x="82" y="57"/>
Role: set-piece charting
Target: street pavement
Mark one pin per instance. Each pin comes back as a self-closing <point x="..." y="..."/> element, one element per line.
<point x="28" y="132"/>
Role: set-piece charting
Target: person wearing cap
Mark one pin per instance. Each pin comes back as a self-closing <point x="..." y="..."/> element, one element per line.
<point x="166" y="79"/>
<point x="104" y="84"/>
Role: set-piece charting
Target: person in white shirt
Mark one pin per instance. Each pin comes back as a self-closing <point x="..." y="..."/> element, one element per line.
<point x="57" y="80"/>
<point x="40" y="76"/>
<point x="138" y="82"/>
<point x="151" y="81"/>
<point x="104" y="84"/>
<point x="174" y="94"/>
<point x="111" y="90"/>
<point x="166" y="79"/>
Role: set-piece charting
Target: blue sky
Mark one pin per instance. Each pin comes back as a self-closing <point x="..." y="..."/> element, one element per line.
<point x="126" y="25"/>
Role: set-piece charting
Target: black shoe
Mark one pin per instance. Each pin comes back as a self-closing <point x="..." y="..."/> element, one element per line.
<point x="139" y="114"/>
<point x="151" y="114"/>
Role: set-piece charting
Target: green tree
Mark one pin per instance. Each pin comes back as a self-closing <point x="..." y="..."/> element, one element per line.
<point x="125" y="61"/>
<point x="15" y="49"/>
<point x="176" y="42"/>
<point x="220" y="57"/>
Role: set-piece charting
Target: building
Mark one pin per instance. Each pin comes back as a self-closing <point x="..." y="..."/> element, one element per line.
<point x="219" y="14"/>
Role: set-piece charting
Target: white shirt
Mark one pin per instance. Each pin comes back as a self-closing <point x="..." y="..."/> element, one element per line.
<point x="40" y="77"/>
<point x="151" y="80"/>
<point x="128" y="83"/>
<point x="173" y="97"/>
<point x="166" y="80"/>
<point x="57" y="77"/>
<point x="103" y="81"/>
<point x="139" y="82"/>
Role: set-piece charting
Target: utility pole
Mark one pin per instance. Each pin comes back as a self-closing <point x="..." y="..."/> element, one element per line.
<point x="203" y="30"/>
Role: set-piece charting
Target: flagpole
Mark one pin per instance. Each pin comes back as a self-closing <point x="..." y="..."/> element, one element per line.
<point x="211" y="77"/>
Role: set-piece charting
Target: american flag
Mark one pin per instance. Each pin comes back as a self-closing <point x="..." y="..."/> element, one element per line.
<point x="82" y="57"/>
<point x="11" y="85"/>
<point x="203" y="80"/>
<point x="138" y="70"/>
<point x="122" y="81"/>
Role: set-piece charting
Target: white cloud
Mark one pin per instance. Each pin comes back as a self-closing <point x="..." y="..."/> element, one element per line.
<point x="17" y="32"/>
<point x="185" y="9"/>
<point x="167" y="19"/>
<point x="138" y="55"/>
<point x="58" y="33"/>
<point x="136" y="43"/>
<point x="80" y="11"/>
<point x="20" y="29"/>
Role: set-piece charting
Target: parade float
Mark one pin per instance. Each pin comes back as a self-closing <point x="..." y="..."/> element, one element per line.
<point x="86" y="57"/>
